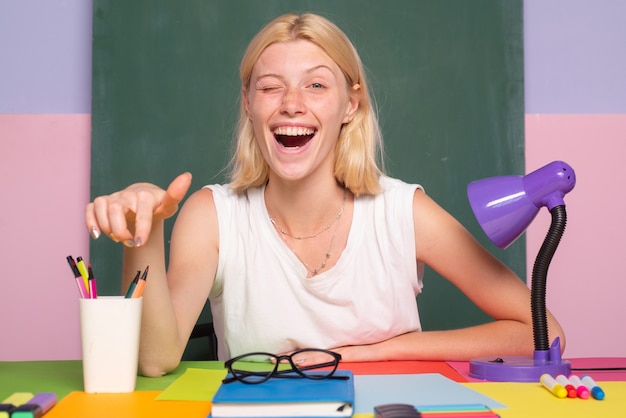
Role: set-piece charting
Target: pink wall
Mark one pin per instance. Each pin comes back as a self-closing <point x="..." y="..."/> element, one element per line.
<point x="586" y="283"/>
<point x="44" y="178"/>
<point x="575" y="109"/>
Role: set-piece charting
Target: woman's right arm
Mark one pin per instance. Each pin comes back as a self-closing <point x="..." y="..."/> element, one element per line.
<point x="173" y="297"/>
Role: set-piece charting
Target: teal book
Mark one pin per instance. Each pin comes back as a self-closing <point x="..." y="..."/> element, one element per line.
<point x="285" y="397"/>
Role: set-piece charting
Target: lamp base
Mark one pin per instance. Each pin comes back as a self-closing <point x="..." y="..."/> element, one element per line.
<point x="521" y="369"/>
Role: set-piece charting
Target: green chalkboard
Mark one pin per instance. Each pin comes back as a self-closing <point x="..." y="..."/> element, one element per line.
<point x="447" y="76"/>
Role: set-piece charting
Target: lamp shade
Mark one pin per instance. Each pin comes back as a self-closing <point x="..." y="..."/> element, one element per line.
<point x="505" y="206"/>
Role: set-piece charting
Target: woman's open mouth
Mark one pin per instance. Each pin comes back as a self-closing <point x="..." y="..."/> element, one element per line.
<point x="293" y="137"/>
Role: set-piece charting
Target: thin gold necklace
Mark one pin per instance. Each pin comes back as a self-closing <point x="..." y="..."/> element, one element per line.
<point x="284" y="235"/>
<point x="326" y="228"/>
<point x="315" y="271"/>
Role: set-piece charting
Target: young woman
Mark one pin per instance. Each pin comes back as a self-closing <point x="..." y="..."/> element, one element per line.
<point x="310" y="245"/>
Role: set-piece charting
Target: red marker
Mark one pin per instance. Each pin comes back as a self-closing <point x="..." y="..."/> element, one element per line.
<point x="571" y="389"/>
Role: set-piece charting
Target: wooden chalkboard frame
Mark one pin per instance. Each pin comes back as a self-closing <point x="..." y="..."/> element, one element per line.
<point x="447" y="76"/>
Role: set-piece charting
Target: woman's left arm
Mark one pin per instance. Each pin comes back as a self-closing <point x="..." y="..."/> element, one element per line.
<point x="448" y="248"/>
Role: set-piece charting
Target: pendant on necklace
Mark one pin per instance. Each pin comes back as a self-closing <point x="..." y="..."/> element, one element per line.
<point x="315" y="271"/>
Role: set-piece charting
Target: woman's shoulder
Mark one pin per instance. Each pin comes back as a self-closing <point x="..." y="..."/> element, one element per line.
<point x="391" y="185"/>
<point x="394" y="200"/>
<point x="223" y="190"/>
<point x="227" y="199"/>
<point x="226" y="191"/>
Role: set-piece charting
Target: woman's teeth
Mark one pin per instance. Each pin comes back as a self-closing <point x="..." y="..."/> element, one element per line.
<point x="293" y="136"/>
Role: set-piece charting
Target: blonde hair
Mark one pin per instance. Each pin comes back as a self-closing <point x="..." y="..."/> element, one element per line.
<point x="359" y="148"/>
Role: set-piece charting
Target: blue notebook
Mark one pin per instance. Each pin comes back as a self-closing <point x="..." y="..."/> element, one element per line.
<point x="280" y="397"/>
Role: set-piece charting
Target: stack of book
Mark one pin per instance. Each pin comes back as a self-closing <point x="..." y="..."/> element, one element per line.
<point x="284" y="397"/>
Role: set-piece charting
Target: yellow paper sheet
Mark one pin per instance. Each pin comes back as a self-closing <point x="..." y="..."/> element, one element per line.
<point x="194" y="385"/>
<point x="526" y="400"/>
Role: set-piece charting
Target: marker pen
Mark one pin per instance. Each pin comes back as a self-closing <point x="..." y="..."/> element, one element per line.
<point x="80" y="263"/>
<point x="93" y="288"/>
<point x="9" y="404"/>
<point x="80" y="283"/>
<point x="564" y="381"/>
<point x="133" y="284"/>
<point x="5" y="410"/>
<point x="596" y="391"/>
<point x="36" y="407"/>
<point x="581" y="389"/>
<point x="553" y="386"/>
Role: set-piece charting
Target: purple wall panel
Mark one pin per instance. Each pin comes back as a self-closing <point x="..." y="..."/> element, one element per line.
<point x="45" y="50"/>
<point x="575" y="56"/>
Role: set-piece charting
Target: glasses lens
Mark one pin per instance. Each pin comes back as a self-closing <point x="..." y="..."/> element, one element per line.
<point x="254" y="368"/>
<point x="315" y="364"/>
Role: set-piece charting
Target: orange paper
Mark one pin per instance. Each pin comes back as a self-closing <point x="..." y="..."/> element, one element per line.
<point x="135" y="404"/>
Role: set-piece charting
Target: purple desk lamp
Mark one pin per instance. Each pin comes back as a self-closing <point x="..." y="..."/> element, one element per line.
<point x="504" y="207"/>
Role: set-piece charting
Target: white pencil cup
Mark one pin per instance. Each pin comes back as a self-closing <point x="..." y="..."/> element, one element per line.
<point x="110" y="342"/>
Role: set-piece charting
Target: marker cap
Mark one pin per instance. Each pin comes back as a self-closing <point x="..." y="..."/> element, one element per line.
<point x="597" y="393"/>
<point x="18" y="398"/>
<point x="27" y="411"/>
<point x="553" y="386"/>
<point x="582" y="392"/>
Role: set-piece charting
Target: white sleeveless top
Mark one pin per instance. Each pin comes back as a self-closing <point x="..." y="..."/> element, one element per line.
<point x="262" y="301"/>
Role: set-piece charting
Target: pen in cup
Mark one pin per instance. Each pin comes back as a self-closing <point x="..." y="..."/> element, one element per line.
<point x="82" y="290"/>
<point x="133" y="284"/>
<point x="141" y="283"/>
<point x="82" y="268"/>
<point x="93" y="288"/>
